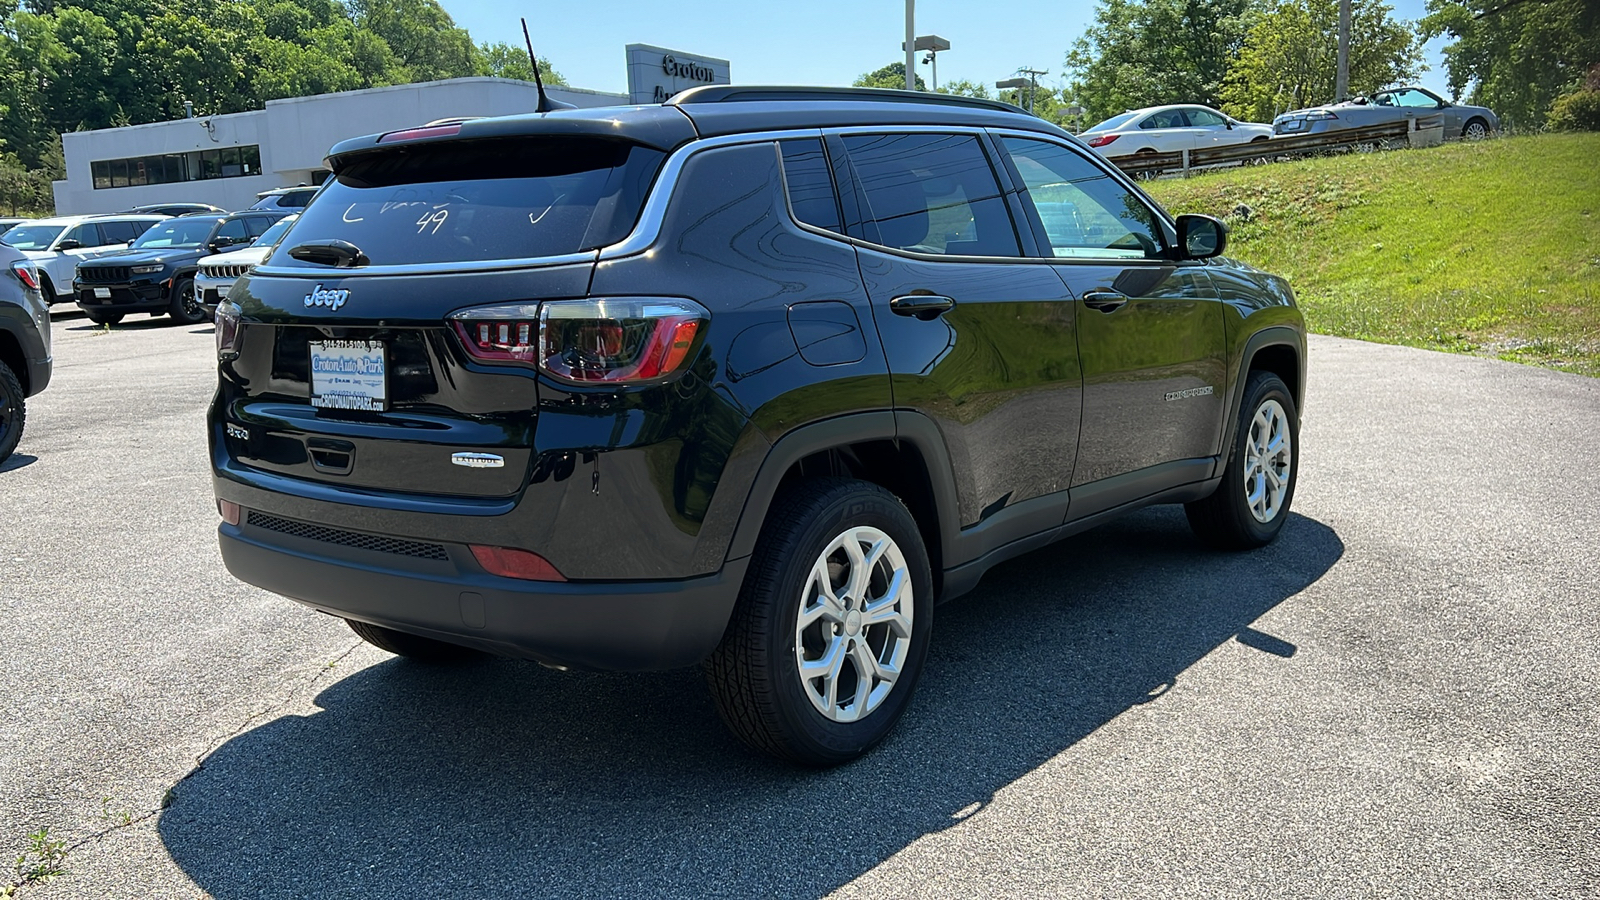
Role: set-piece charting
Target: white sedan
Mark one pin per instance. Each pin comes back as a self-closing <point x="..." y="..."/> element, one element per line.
<point x="1167" y="129"/>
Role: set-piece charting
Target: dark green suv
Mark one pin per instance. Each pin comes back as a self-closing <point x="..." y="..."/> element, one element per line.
<point x="750" y="379"/>
<point x="24" y="344"/>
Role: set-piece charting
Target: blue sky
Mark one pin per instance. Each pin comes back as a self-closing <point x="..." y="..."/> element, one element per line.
<point x="806" y="42"/>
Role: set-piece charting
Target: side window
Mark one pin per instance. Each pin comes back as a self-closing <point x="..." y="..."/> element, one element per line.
<point x="1171" y="118"/>
<point x="810" y="184"/>
<point x="233" y="228"/>
<point x="1205" y="118"/>
<point x="140" y="227"/>
<point x="932" y="193"/>
<point x="86" y="234"/>
<point x="255" y="225"/>
<point x="1085" y="212"/>
<point x="119" y="232"/>
<point x="1416" y="99"/>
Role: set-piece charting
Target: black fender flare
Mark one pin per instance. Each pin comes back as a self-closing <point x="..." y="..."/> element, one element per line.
<point x="900" y="427"/>
<point x="1271" y="336"/>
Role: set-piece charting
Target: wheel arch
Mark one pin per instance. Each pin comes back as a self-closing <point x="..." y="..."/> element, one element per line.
<point x="12" y="356"/>
<point x="901" y="452"/>
<point x="1279" y="349"/>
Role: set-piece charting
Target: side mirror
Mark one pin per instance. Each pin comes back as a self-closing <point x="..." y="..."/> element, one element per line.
<point x="1231" y="123"/>
<point x="70" y="244"/>
<point x="1201" y="237"/>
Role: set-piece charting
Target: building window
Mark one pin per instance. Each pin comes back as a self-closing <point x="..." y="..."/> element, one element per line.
<point x="171" y="168"/>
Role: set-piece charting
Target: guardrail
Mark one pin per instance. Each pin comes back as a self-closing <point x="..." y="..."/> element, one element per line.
<point x="1294" y="146"/>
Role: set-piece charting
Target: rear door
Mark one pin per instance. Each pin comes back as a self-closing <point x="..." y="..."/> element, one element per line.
<point x="1150" y="329"/>
<point x="978" y="331"/>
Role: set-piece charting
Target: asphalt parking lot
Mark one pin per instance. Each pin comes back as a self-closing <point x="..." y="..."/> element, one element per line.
<point x="1399" y="698"/>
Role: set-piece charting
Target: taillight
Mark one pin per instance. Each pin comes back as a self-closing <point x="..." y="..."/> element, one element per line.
<point x="229" y="334"/>
<point x="229" y="511"/>
<point x="26" y="273"/>
<point x="509" y="562"/>
<point x="1100" y="140"/>
<point x="621" y="340"/>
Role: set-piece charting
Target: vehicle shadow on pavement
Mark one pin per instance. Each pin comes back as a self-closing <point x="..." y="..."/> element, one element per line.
<point x="17" y="461"/>
<point x="502" y="778"/>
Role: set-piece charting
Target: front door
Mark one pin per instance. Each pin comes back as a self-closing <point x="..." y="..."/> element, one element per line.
<point x="1150" y="329"/>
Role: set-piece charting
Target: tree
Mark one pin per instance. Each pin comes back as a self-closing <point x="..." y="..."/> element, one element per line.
<point x="1289" y="59"/>
<point x="891" y="76"/>
<point x="503" y="60"/>
<point x="1151" y="52"/>
<point x="423" y="36"/>
<point x="963" y="88"/>
<point x="1517" y="56"/>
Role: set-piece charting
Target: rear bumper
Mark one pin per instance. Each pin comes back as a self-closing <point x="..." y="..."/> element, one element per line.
<point x="593" y="625"/>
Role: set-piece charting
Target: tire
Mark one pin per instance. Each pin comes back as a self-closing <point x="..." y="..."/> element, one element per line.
<point x="755" y="674"/>
<point x="104" y="318"/>
<point x="411" y="646"/>
<point x="48" y="289"/>
<point x="13" y="412"/>
<point x="1476" y="129"/>
<point x="1249" y="507"/>
<point x="186" y="308"/>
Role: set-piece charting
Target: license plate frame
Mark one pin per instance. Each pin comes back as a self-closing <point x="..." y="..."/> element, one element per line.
<point x="348" y="375"/>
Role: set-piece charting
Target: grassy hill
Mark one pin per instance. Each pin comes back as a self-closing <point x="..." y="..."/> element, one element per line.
<point x="1490" y="248"/>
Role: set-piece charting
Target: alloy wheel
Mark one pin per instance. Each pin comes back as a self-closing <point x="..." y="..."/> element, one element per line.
<point x="1268" y="459"/>
<point x="854" y="626"/>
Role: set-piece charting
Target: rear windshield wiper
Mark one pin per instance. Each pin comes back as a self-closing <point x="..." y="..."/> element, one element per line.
<point x="339" y="254"/>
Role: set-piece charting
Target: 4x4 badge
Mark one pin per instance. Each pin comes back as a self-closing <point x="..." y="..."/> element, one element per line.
<point x="478" y="460"/>
<point x="332" y="299"/>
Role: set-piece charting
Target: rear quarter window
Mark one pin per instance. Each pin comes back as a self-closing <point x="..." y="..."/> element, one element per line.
<point x="470" y="201"/>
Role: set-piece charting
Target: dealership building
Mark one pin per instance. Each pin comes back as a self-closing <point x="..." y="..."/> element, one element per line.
<point x="225" y="160"/>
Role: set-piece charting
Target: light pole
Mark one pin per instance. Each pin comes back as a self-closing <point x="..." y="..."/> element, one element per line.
<point x="1341" y="79"/>
<point x="911" y="39"/>
<point x="932" y="44"/>
<point x="1016" y="84"/>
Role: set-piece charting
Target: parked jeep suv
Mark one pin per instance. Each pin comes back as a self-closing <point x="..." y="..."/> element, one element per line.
<point x="24" y="343"/>
<point x="750" y="378"/>
<point x="156" y="274"/>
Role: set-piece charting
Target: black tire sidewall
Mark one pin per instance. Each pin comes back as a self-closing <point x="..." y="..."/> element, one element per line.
<point x="1263" y="386"/>
<point x="820" y="738"/>
<point x="11" y="389"/>
<point x="176" y="309"/>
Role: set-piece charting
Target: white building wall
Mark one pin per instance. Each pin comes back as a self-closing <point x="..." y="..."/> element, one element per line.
<point x="294" y="134"/>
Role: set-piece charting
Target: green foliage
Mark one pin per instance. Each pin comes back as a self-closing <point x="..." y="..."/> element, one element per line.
<point x="1289" y="59"/>
<point x="964" y="88"/>
<point x="1518" y="57"/>
<point x="1451" y="248"/>
<point x="43" y="861"/>
<point x="68" y="65"/>
<point x="891" y="76"/>
<point x="1151" y="52"/>
<point x="1577" y="111"/>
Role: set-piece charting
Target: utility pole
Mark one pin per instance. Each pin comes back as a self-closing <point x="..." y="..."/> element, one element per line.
<point x="1033" y="81"/>
<point x="911" y="39"/>
<point x="1341" y="80"/>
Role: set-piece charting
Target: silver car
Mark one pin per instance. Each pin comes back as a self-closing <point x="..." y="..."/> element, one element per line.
<point x="217" y="273"/>
<point x="1165" y="129"/>
<point x="1399" y="104"/>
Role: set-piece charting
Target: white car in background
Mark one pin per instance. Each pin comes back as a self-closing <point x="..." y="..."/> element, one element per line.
<point x="218" y="272"/>
<point x="56" y="245"/>
<point x="1168" y="129"/>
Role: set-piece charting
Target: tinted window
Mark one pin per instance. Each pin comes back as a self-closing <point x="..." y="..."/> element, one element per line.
<point x="119" y="232"/>
<point x="1085" y="212"/>
<point x="1170" y="118"/>
<point x="1205" y="118"/>
<point x="271" y="235"/>
<point x="810" y="184"/>
<point x="86" y="235"/>
<point x="480" y="200"/>
<point x="236" y="230"/>
<point x="932" y="193"/>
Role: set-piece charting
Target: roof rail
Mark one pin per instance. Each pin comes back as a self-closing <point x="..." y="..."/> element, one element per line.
<point x="728" y="93"/>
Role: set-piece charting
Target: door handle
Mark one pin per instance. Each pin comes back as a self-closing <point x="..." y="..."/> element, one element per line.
<point x="1105" y="301"/>
<point x="923" y="306"/>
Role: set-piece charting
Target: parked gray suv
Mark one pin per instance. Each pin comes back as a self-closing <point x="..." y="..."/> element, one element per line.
<point x="24" y="343"/>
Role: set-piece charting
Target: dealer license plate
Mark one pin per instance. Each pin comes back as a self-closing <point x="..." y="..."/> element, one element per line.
<point x="102" y="293"/>
<point x="349" y="375"/>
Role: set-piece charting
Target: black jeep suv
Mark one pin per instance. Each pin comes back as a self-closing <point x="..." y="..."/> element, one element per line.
<point x="24" y="343"/>
<point x="156" y="273"/>
<point x="750" y="378"/>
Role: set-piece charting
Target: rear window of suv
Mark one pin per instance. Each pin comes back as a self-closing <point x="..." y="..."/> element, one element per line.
<point x="469" y="201"/>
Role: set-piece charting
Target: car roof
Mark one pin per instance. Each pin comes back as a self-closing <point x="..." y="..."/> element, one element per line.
<point x="714" y="110"/>
<point x="100" y="217"/>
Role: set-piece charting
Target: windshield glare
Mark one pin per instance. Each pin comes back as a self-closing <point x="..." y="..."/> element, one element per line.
<point x="183" y="232"/>
<point x="32" y="237"/>
<point x="1112" y="123"/>
<point x="271" y="235"/>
